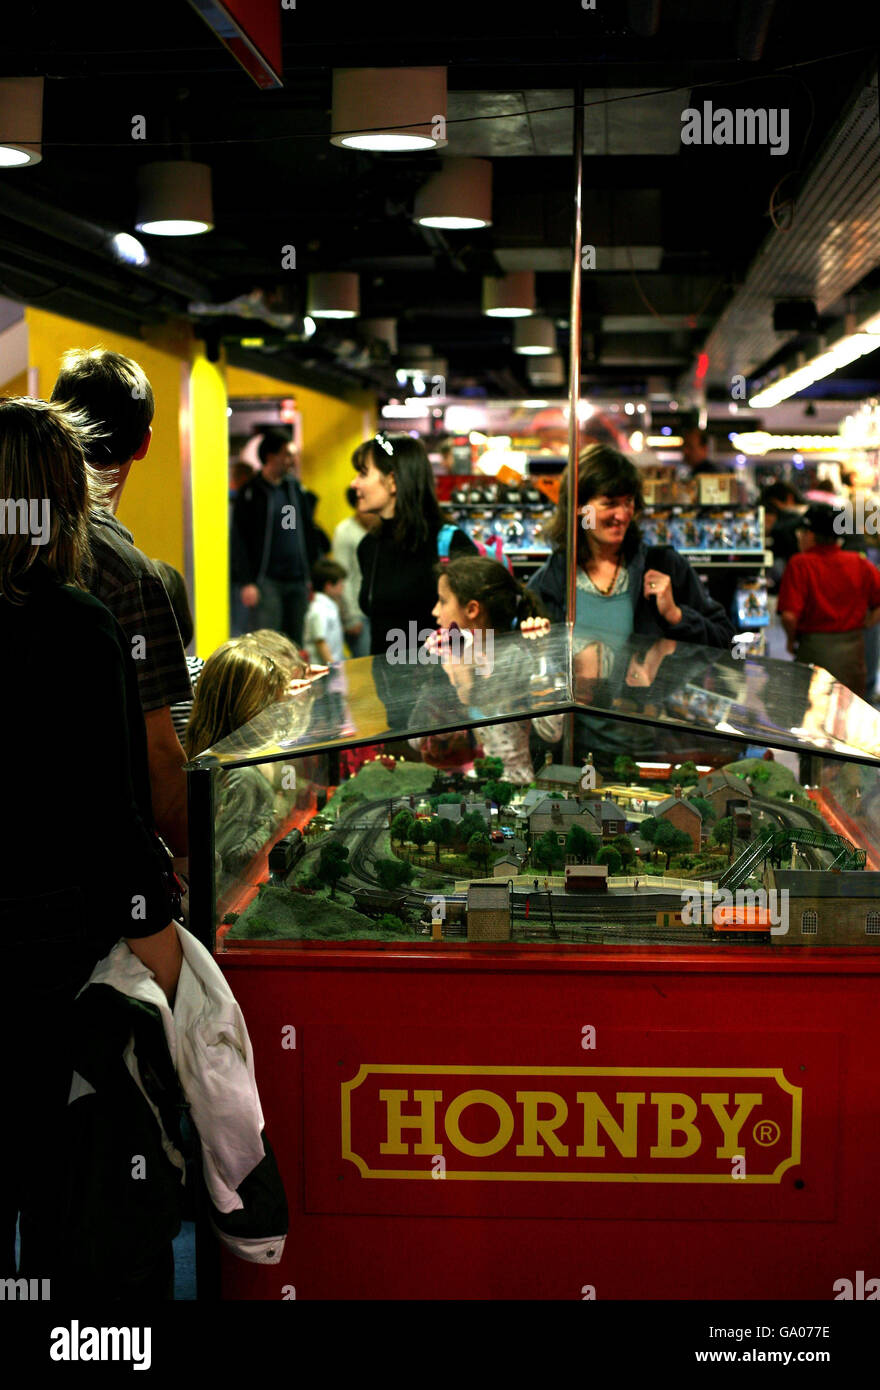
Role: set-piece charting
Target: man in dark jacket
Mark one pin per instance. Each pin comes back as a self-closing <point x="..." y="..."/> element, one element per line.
<point x="274" y="541"/>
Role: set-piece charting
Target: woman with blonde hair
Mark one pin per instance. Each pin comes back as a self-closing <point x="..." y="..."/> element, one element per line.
<point x="79" y="848"/>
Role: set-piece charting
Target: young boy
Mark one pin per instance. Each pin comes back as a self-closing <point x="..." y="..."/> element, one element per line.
<point x="323" y="630"/>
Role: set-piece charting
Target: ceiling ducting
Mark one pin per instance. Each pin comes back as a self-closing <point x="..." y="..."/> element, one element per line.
<point x="832" y="244"/>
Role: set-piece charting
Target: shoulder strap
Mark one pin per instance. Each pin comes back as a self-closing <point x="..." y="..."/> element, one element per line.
<point x="444" y="540"/>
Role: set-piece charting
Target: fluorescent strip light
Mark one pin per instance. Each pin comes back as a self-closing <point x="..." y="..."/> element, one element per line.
<point x="847" y="349"/>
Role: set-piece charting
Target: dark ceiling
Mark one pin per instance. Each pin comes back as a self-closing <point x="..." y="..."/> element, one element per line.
<point x="278" y="181"/>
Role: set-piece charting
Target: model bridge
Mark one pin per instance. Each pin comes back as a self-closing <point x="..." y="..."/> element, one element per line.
<point x="774" y="843"/>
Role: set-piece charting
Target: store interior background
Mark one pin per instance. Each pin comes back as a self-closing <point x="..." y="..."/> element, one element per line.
<point x="712" y="266"/>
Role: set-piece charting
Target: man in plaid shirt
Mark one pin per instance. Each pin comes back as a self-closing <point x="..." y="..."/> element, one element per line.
<point x="114" y="393"/>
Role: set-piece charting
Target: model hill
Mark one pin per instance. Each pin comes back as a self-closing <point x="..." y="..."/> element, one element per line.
<point x="374" y="781"/>
<point x="276" y="914"/>
<point x="780" y="781"/>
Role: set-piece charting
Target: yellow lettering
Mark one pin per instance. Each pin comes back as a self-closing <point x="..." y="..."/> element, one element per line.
<point x="424" y="1122"/>
<point x="731" y="1125"/>
<point x="535" y="1129"/>
<point x="625" y="1137"/>
<point x="667" y="1124"/>
<point x="496" y="1103"/>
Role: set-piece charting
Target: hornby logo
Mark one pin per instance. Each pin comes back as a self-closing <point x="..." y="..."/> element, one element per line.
<point x="572" y="1124"/>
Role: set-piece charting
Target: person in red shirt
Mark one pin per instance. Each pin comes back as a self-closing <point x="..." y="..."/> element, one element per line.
<point x="827" y="598"/>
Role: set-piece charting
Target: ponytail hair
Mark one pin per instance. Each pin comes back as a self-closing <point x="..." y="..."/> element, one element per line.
<point x="505" y="602"/>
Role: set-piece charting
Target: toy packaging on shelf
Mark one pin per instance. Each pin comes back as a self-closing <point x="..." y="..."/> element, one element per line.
<point x="750" y="604"/>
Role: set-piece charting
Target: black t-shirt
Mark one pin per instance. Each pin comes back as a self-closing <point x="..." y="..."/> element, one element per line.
<point x="399" y="587"/>
<point x="80" y="866"/>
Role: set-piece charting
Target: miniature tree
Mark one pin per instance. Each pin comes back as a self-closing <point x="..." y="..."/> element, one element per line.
<point x="393" y="873"/>
<point x="648" y="828"/>
<point x="685" y="775"/>
<point x="580" y="844"/>
<point x="420" y="834"/>
<point x="722" y="830"/>
<point x="479" y="848"/>
<point x="625" y="848"/>
<point x="471" y="824"/>
<point x="390" y="922"/>
<point x="501" y="792"/>
<point x="401" y="826"/>
<point x="625" y="768"/>
<point x="332" y="865"/>
<point x="668" y="838"/>
<point x="547" y="853"/>
<point x="440" y="831"/>
<point x="759" y="774"/>
<point x="704" y="807"/>
<point x="490" y="768"/>
<point x="610" y="856"/>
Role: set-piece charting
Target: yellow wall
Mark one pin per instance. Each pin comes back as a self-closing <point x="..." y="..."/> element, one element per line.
<point x="331" y="431"/>
<point x="18" y="386"/>
<point x="152" y="503"/>
<point x="209" y="455"/>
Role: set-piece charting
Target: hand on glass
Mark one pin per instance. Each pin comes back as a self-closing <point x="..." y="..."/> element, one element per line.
<point x="658" y="585"/>
<point x="250" y="595"/>
<point x="535" y="627"/>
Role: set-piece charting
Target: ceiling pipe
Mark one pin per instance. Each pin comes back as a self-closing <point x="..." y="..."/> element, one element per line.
<point x="90" y="236"/>
<point x="752" y="24"/>
<point x="643" y="17"/>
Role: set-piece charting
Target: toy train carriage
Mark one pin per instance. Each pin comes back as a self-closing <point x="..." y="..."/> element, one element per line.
<point x="724" y="918"/>
<point x="284" y="855"/>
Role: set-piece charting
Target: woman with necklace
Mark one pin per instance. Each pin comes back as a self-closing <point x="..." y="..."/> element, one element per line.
<point x="623" y="586"/>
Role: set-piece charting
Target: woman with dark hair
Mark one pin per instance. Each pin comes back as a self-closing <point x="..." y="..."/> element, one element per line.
<point x="623" y="586"/>
<point x="78" y="851"/>
<point x="395" y="482"/>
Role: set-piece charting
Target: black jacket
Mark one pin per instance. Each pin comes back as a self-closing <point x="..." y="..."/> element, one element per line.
<point x="398" y="586"/>
<point x="702" y="619"/>
<point x="251" y="539"/>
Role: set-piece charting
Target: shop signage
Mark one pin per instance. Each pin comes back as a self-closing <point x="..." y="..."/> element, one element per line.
<point x="572" y="1124"/>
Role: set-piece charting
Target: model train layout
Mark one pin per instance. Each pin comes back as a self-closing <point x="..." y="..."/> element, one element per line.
<point x="400" y="851"/>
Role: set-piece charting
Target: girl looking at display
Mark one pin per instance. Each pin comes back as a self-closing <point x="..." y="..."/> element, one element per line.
<point x="481" y="597"/>
<point x="394" y="482"/>
<point x="623" y="586"/>
<point x="238" y="682"/>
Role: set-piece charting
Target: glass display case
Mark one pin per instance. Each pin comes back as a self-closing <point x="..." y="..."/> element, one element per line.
<point x="548" y="791"/>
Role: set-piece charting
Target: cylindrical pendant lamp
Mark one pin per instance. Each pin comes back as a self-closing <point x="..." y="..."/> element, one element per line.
<point x="334" y="294"/>
<point x="21" y="121"/>
<point x="547" y="371"/>
<point x="174" y="198"/>
<point x="509" y="296"/>
<point x="534" y="337"/>
<point x="388" y="109"/>
<point x="381" y="331"/>
<point x="457" y="197"/>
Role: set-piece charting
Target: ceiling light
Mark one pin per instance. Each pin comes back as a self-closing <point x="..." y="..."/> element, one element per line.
<point x="534" y="337"/>
<point x="389" y="109"/>
<point x="509" y="296"/>
<point x="630" y="408"/>
<point x="457" y="197"/>
<point x="309" y="326"/>
<point x="534" y="405"/>
<point x="381" y="331"/>
<point x="584" y="411"/>
<point x="174" y="198"/>
<point x="21" y="121"/>
<point x="547" y="371"/>
<point x="334" y="294"/>
<point x="845" y="350"/>
<point x="128" y="249"/>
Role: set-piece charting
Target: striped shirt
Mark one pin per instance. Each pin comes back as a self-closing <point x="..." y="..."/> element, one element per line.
<point x="126" y="581"/>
